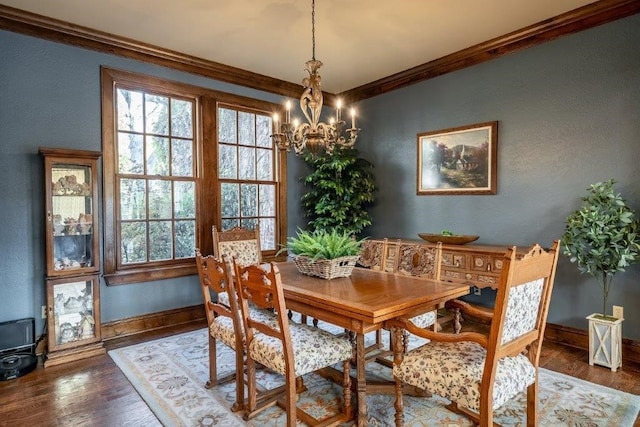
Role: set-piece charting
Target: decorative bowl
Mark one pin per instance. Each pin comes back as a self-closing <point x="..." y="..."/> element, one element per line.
<point x="457" y="239"/>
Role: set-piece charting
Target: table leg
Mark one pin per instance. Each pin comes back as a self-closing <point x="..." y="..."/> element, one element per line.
<point x="361" y="380"/>
<point x="457" y="320"/>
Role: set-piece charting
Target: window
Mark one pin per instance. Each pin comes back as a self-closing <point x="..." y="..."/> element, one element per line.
<point x="177" y="160"/>
<point x="155" y="177"/>
<point x="247" y="182"/>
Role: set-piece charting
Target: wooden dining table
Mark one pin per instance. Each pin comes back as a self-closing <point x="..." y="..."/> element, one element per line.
<point x="362" y="303"/>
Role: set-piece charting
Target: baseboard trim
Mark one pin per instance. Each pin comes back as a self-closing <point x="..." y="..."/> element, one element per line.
<point x="566" y="335"/>
<point x="579" y="338"/>
<point x="152" y="321"/>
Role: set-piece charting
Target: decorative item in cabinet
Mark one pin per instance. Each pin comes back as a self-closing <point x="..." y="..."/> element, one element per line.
<point x="73" y="319"/>
<point x="71" y="202"/>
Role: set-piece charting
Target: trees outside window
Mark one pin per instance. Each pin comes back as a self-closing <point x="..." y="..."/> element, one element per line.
<point x="177" y="160"/>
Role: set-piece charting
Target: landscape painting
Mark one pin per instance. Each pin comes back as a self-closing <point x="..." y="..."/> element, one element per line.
<point x="459" y="160"/>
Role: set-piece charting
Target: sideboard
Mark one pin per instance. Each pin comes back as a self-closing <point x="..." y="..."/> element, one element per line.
<point x="477" y="265"/>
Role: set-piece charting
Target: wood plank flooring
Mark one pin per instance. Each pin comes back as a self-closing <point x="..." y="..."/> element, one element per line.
<point x="93" y="392"/>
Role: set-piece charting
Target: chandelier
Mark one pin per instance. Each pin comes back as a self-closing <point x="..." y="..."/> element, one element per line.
<point x="313" y="135"/>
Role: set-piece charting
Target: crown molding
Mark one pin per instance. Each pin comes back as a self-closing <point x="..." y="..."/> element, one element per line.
<point x="589" y="16"/>
<point x="594" y="14"/>
<point x="35" y="25"/>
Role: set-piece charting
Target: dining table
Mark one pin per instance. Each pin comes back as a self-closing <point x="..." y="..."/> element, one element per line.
<point x="361" y="303"/>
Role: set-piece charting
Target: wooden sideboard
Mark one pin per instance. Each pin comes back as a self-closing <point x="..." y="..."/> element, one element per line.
<point x="477" y="265"/>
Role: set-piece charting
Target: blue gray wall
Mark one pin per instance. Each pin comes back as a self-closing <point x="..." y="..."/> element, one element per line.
<point x="569" y="116"/>
<point x="50" y="97"/>
<point x="567" y="112"/>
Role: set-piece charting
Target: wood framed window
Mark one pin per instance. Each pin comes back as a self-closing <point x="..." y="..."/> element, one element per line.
<point x="177" y="160"/>
<point x="247" y="181"/>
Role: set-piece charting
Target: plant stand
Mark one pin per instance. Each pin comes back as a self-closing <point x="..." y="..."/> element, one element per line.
<point x="605" y="342"/>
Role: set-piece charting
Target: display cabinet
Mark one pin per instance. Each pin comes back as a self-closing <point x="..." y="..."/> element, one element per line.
<point x="72" y="254"/>
<point x="71" y="204"/>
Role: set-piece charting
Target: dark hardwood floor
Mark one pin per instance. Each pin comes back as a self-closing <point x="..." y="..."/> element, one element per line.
<point x="93" y="392"/>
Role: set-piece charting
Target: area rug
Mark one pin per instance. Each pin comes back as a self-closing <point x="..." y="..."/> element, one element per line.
<point x="169" y="374"/>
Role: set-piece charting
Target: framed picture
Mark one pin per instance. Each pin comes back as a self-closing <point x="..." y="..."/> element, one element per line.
<point x="459" y="160"/>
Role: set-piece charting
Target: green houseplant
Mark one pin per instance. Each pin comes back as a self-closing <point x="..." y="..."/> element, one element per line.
<point x="602" y="236"/>
<point x="340" y="188"/>
<point x="325" y="254"/>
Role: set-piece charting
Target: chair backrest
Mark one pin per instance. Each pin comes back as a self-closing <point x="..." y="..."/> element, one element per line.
<point x="522" y="304"/>
<point x="416" y="259"/>
<point x="239" y="243"/>
<point x="262" y="286"/>
<point x="214" y="277"/>
<point x="372" y="254"/>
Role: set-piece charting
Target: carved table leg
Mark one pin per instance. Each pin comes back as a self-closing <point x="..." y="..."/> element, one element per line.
<point x="361" y="381"/>
<point x="457" y="321"/>
<point x="399" y="349"/>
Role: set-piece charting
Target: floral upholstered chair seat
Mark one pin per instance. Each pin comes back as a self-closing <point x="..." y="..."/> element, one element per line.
<point x="313" y="348"/>
<point x="222" y="327"/>
<point x="424" y="320"/>
<point x="454" y="371"/>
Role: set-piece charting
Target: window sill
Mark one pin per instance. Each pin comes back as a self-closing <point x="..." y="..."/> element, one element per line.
<point x="124" y="277"/>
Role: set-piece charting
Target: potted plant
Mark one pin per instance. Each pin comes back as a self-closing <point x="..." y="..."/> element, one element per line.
<point x="602" y="239"/>
<point x="340" y="188"/>
<point x="325" y="254"/>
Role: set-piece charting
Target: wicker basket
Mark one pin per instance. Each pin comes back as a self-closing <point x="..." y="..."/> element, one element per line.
<point x="326" y="268"/>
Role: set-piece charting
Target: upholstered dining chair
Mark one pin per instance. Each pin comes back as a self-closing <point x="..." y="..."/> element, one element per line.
<point x="288" y="348"/>
<point x="418" y="260"/>
<point x="242" y="244"/>
<point x="476" y="372"/>
<point x="238" y="242"/>
<point x="223" y="320"/>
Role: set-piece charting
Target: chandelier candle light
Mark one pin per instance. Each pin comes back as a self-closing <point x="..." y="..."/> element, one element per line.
<point x="313" y="135"/>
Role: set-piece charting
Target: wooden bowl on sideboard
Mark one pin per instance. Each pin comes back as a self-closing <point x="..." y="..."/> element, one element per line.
<point x="457" y="239"/>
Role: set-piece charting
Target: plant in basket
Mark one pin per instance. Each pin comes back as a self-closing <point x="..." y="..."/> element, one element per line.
<point x="325" y="254"/>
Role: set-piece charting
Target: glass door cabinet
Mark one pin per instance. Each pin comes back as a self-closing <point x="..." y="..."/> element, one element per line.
<point x="72" y="254"/>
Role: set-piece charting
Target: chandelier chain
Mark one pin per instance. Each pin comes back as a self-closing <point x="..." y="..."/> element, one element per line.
<point x="313" y="29"/>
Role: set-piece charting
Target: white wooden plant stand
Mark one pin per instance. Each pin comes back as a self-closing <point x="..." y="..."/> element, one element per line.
<point x="605" y="342"/>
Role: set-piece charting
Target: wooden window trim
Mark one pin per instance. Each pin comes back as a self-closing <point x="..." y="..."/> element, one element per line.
<point x="205" y="137"/>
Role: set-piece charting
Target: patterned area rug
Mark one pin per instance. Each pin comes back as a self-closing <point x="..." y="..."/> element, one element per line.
<point x="169" y="374"/>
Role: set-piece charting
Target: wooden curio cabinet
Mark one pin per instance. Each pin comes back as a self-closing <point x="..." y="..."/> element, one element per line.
<point x="72" y="254"/>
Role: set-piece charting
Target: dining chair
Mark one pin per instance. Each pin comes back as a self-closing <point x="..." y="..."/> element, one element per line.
<point x="478" y="373"/>
<point x="242" y="244"/>
<point x="238" y="242"/>
<point x="372" y="253"/>
<point x="223" y="320"/>
<point x="289" y="349"/>
<point x="418" y="260"/>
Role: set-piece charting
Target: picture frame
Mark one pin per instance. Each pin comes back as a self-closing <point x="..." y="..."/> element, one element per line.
<point x="458" y="161"/>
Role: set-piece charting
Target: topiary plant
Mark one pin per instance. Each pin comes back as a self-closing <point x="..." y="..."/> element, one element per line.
<point x="602" y="236"/>
<point x="340" y="188"/>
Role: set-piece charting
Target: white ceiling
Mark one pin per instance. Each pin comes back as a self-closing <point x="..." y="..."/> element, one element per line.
<point x="359" y="41"/>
